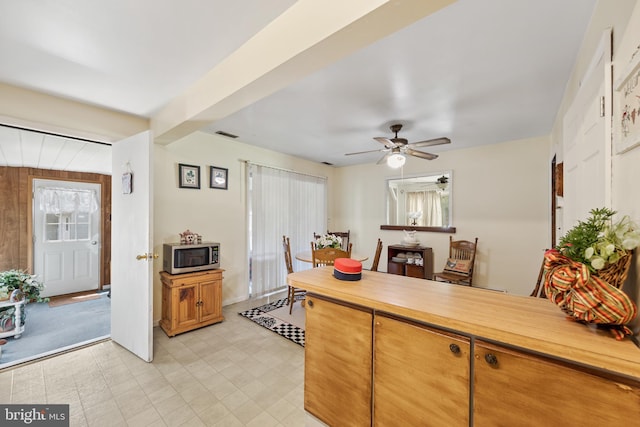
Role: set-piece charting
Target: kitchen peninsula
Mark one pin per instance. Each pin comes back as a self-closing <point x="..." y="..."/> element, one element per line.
<point x="395" y="350"/>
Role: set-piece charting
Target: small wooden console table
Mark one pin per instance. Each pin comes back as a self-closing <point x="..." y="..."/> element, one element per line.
<point x="190" y="300"/>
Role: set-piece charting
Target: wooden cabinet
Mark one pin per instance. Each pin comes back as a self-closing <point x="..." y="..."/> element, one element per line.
<point x="190" y="300"/>
<point x="414" y="368"/>
<point x="337" y="374"/>
<point x="443" y="354"/>
<point x="424" y="271"/>
<point x="548" y="390"/>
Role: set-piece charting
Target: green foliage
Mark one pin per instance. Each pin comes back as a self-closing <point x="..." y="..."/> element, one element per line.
<point x="598" y="241"/>
<point x="27" y="283"/>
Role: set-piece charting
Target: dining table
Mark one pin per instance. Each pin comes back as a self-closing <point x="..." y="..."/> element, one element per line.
<point x="305" y="256"/>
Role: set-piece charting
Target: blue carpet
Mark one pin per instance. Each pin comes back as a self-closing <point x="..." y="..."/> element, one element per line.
<point x="51" y="329"/>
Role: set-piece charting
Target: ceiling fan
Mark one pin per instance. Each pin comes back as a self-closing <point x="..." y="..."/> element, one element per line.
<point x="396" y="148"/>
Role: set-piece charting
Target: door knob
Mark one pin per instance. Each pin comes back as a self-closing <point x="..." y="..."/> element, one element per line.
<point x="94" y="242"/>
<point x="147" y="256"/>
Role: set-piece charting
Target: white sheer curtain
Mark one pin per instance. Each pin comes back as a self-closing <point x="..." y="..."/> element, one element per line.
<point x="429" y="203"/>
<point x="65" y="200"/>
<point x="281" y="203"/>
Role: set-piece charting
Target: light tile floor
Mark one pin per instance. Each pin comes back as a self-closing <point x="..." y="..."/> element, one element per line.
<point x="234" y="373"/>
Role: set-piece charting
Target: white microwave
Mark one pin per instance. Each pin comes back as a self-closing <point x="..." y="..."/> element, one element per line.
<point x="180" y="258"/>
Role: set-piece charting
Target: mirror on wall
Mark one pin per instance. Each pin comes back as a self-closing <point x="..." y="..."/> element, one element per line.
<point x="419" y="202"/>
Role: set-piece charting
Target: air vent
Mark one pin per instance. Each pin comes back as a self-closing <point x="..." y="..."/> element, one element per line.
<point x="228" y="135"/>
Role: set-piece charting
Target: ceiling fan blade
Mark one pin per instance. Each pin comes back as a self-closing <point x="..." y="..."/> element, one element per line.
<point x="384" y="158"/>
<point x="386" y="141"/>
<point x="369" y="151"/>
<point x="430" y="142"/>
<point x="421" y="154"/>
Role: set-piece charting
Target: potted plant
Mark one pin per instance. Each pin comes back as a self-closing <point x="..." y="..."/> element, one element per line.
<point x="17" y="287"/>
<point x="25" y="283"/>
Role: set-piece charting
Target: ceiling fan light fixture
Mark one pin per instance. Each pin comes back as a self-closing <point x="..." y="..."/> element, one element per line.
<point x="396" y="160"/>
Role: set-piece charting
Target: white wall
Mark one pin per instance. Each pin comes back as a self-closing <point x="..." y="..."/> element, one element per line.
<point x="218" y="215"/>
<point x="500" y="195"/>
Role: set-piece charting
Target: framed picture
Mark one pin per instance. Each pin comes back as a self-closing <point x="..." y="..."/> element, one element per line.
<point x="627" y="114"/>
<point x="218" y="178"/>
<point x="189" y="176"/>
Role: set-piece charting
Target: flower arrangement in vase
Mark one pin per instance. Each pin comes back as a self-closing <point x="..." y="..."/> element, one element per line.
<point x="329" y="241"/>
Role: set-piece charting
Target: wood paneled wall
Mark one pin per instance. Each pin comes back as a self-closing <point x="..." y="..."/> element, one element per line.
<point x="15" y="217"/>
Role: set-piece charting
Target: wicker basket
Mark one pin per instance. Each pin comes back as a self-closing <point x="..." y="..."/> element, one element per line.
<point x="616" y="274"/>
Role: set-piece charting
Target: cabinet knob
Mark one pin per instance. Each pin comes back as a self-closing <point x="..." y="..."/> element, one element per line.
<point x="491" y="359"/>
<point x="455" y="348"/>
<point x="310" y="303"/>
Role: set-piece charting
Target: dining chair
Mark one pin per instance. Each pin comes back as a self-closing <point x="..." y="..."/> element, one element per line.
<point x="538" y="290"/>
<point x="292" y="291"/>
<point x="327" y="256"/>
<point x="376" y="257"/>
<point x="459" y="266"/>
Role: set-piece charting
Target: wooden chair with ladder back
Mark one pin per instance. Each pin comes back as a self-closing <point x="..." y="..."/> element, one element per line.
<point x="538" y="290"/>
<point x="376" y="257"/>
<point x="327" y="256"/>
<point x="292" y="292"/>
<point x="460" y="264"/>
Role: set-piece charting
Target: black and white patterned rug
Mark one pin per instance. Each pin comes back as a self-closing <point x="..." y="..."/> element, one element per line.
<point x="261" y="315"/>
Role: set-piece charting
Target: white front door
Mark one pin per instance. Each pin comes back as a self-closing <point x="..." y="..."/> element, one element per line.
<point x="132" y="245"/>
<point x="587" y="141"/>
<point x="66" y="229"/>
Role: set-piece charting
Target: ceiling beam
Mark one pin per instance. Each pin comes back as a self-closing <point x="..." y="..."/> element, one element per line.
<point x="307" y="37"/>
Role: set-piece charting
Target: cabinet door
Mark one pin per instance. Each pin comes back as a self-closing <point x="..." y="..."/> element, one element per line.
<point x="184" y="303"/>
<point x="337" y="374"/>
<point x="421" y="375"/>
<point x="516" y="388"/>
<point x="210" y="300"/>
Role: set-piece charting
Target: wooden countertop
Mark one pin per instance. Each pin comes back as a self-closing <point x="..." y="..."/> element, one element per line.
<point x="531" y="323"/>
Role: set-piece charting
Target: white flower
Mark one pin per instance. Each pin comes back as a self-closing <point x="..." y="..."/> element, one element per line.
<point x="328" y="241"/>
<point x="630" y="243"/>
<point x="588" y="253"/>
<point x="597" y="263"/>
<point x="609" y="249"/>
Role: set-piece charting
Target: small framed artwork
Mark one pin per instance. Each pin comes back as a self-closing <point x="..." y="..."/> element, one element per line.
<point x="189" y="176"/>
<point x="628" y="106"/>
<point x="218" y="178"/>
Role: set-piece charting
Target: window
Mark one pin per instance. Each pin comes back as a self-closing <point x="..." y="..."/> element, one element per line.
<point x="281" y="203"/>
<point x="67" y="214"/>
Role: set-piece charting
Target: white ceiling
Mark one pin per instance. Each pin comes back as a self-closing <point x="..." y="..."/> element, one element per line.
<point x="478" y="71"/>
